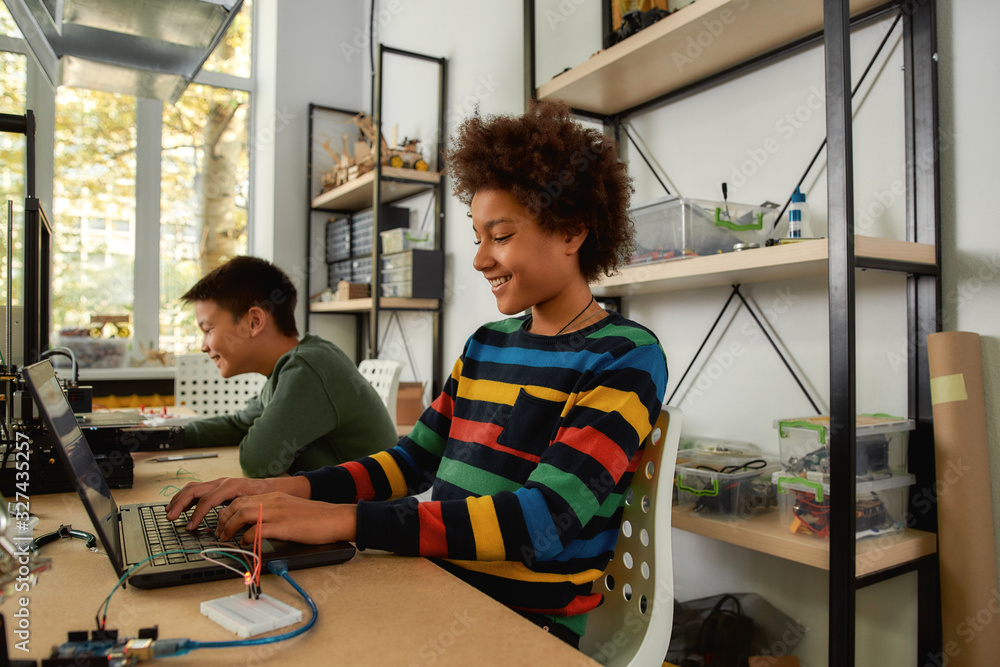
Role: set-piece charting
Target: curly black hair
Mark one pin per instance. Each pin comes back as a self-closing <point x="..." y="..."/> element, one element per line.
<point x="566" y="175"/>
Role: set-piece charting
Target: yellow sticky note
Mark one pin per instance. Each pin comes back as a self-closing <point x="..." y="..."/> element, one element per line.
<point x="948" y="389"/>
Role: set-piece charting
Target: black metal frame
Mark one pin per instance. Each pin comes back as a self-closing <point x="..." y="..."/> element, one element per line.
<point x="371" y="318"/>
<point x="737" y="293"/>
<point x="923" y="285"/>
<point x="37" y="246"/>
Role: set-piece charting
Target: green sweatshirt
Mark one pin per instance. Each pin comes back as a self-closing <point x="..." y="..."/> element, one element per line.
<point x="314" y="410"/>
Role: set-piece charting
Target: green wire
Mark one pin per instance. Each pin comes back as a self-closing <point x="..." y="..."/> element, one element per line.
<point x="103" y="609"/>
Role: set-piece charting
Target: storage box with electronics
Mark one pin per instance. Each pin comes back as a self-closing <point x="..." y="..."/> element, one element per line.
<point x="881" y="446"/>
<point x="417" y="274"/>
<point x="883" y="483"/>
<point x="804" y="505"/>
<point x="671" y="227"/>
<point x="723" y="477"/>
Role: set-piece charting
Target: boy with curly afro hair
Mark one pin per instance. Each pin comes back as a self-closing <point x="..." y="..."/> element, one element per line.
<point x="530" y="448"/>
<point x="566" y="176"/>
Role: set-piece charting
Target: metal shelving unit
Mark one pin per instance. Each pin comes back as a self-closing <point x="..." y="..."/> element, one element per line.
<point x="378" y="187"/>
<point x="618" y="81"/>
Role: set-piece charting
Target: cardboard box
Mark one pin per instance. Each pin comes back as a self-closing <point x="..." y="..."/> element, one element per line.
<point x="347" y="290"/>
<point x="409" y="402"/>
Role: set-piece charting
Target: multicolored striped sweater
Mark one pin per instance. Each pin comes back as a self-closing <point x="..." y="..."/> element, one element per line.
<point x="529" y="450"/>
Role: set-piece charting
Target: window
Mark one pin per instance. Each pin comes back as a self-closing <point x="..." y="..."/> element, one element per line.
<point x="92" y="264"/>
<point x="123" y="249"/>
<point x="204" y="182"/>
<point x="12" y="72"/>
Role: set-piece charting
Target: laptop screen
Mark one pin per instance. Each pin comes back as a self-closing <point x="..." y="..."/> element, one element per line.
<point x="80" y="463"/>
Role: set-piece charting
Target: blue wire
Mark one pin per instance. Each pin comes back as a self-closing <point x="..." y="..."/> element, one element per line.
<point x="182" y="646"/>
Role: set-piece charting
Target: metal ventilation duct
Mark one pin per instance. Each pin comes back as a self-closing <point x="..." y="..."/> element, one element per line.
<point x="146" y="48"/>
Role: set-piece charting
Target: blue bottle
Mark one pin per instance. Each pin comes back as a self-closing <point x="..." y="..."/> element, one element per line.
<point x="798" y="216"/>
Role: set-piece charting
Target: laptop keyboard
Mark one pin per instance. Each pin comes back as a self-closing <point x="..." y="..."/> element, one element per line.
<point x="163" y="535"/>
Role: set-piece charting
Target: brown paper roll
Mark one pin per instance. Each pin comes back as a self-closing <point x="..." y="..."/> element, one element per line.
<point x="970" y="601"/>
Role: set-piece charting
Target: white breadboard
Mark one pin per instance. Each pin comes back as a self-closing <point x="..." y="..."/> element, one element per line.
<point x="199" y="386"/>
<point x="248" y="617"/>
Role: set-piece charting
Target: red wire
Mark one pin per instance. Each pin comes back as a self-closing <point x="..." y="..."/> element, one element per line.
<point x="256" y="544"/>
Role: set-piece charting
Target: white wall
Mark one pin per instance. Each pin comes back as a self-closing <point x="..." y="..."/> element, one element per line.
<point x="306" y="52"/>
<point x="700" y="142"/>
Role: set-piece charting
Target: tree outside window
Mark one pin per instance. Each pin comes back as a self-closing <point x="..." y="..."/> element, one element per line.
<point x="204" y="167"/>
<point x="12" y="147"/>
<point x="205" y="178"/>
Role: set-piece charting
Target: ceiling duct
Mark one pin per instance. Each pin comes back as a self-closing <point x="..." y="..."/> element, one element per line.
<point x="146" y="48"/>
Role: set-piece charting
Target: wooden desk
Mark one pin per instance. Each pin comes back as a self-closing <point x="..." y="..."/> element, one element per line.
<point x="376" y="609"/>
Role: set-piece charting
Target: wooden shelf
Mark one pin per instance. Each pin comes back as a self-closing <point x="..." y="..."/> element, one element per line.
<point x="364" y="305"/>
<point x="693" y="43"/>
<point x="781" y="262"/>
<point x="765" y="534"/>
<point x="357" y="194"/>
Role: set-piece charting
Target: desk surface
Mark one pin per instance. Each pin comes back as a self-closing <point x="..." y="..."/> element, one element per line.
<point x="376" y="609"/>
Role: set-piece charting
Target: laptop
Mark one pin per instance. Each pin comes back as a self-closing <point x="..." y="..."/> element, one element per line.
<point x="131" y="533"/>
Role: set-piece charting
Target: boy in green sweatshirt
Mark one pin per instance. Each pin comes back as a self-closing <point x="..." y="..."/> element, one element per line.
<point x="315" y="408"/>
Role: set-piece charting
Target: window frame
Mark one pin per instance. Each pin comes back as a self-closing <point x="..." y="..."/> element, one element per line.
<point x="149" y="120"/>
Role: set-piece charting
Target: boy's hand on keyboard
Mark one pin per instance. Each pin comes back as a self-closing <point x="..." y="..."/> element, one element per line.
<point x="287" y="517"/>
<point x="206" y="495"/>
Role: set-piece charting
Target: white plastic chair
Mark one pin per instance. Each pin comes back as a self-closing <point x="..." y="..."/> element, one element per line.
<point x="632" y="627"/>
<point x="199" y="386"/>
<point x="383" y="374"/>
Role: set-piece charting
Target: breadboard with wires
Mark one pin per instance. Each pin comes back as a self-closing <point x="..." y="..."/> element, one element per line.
<point x="247" y="616"/>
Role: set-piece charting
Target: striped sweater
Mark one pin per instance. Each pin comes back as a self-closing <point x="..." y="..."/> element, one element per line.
<point x="529" y="450"/>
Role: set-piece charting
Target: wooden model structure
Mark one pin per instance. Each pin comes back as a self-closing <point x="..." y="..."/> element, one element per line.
<point x="353" y="163"/>
<point x="120" y="324"/>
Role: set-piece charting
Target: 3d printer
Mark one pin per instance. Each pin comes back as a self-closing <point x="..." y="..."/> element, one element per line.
<point x="36" y="468"/>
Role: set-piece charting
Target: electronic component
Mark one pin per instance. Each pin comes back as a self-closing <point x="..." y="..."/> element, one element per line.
<point x="102" y="648"/>
<point x="247" y="616"/>
<point x="633" y="22"/>
<point x="104" y="439"/>
<point x="812" y="516"/>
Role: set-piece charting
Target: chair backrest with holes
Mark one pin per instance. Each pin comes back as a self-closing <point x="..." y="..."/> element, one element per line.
<point x="383" y="374"/>
<point x="198" y="385"/>
<point x="632" y="626"/>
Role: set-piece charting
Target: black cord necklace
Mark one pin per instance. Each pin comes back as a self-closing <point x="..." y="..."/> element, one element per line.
<point x="578" y="315"/>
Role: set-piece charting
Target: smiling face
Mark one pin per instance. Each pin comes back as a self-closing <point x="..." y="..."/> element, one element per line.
<point x="526" y="265"/>
<point x="227" y="342"/>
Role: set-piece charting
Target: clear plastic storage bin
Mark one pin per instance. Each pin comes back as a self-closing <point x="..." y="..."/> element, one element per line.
<point x="402" y="289"/>
<point x="671" y="227"/>
<point x="881" y="446"/>
<point x="92" y="352"/>
<point x="729" y="486"/>
<point x="804" y="505"/>
<point x="398" y="240"/>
